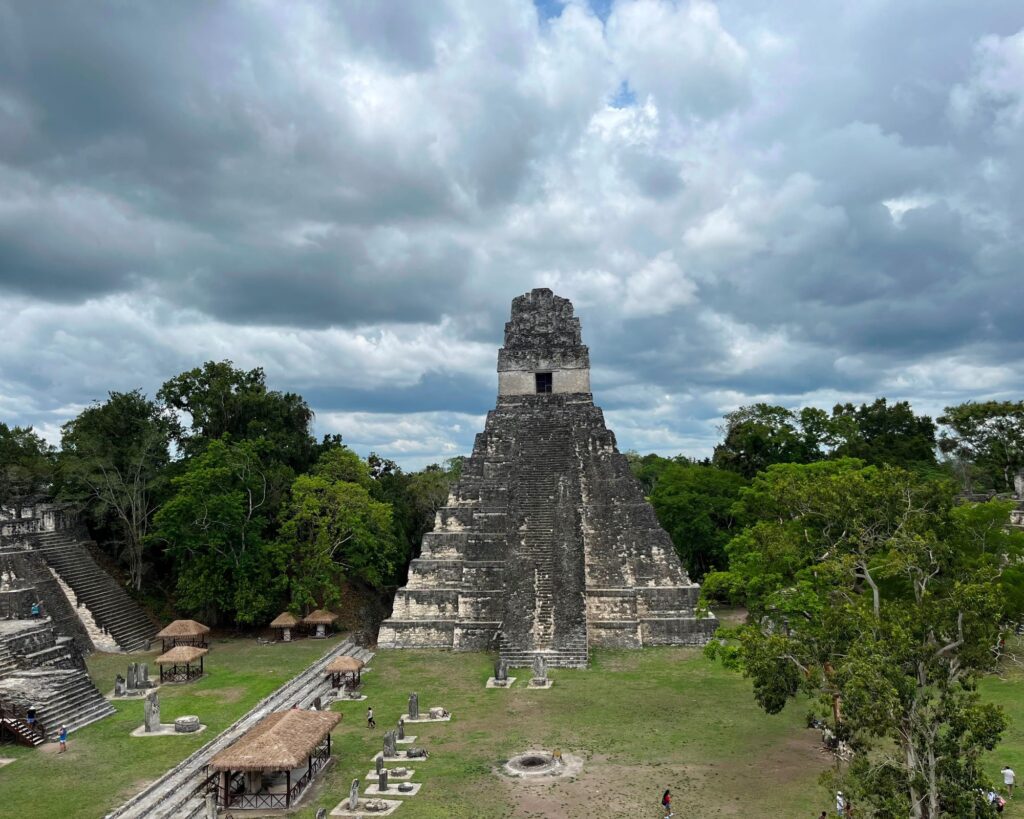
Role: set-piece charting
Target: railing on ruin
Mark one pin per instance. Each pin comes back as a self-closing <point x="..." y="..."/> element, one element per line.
<point x="12" y="713"/>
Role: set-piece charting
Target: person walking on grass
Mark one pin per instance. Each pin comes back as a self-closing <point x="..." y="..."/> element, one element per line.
<point x="62" y="737"/>
<point x="840" y="805"/>
<point x="370" y="721"/>
<point x="1009" y="778"/>
<point x="666" y="802"/>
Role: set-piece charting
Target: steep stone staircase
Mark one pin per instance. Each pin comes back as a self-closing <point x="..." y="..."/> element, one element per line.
<point x="546" y="453"/>
<point x="68" y="698"/>
<point x="110" y="605"/>
<point x="42" y="670"/>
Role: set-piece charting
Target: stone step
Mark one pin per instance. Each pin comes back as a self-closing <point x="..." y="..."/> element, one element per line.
<point x="108" y="603"/>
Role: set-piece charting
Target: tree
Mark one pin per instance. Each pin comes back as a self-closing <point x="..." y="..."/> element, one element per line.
<point x="428" y="491"/>
<point x="870" y="589"/>
<point x="883" y="433"/>
<point x="989" y="435"/>
<point x="342" y="464"/>
<point x="649" y="468"/>
<point x="113" y="460"/>
<point x="215" y="527"/>
<point x="694" y="505"/>
<point x="222" y="400"/>
<point x="334" y="529"/>
<point x="26" y="466"/>
<point x="760" y="435"/>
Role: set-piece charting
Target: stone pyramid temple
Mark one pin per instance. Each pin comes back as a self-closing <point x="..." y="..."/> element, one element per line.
<point x="547" y="545"/>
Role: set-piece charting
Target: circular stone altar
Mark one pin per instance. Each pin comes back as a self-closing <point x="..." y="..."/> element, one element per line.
<point x="186" y="725"/>
<point x="542" y="763"/>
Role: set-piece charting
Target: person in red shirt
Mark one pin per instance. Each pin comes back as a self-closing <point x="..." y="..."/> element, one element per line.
<point x="666" y="802"/>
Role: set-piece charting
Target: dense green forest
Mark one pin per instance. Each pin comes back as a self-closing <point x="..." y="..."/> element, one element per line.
<point x="868" y="545"/>
<point x="215" y="500"/>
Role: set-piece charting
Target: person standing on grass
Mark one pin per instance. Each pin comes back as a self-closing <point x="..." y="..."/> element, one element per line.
<point x="666" y="802"/>
<point x="63" y="739"/>
<point x="1009" y="777"/>
<point x="370" y="721"/>
<point x="840" y="804"/>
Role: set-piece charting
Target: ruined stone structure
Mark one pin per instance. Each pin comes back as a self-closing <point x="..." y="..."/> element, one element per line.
<point x="49" y="547"/>
<point x="41" y="668"/>
<point x="547" y="545"/>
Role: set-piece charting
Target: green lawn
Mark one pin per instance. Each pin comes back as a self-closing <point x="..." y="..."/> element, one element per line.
<point x="104" y="765"/>
<point x="642" y="720"/>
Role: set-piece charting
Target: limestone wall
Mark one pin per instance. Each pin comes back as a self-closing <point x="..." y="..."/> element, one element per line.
<point x="520" y="382"/>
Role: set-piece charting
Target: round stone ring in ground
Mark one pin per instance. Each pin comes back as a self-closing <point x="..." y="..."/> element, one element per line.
<point x="543" y="764"/>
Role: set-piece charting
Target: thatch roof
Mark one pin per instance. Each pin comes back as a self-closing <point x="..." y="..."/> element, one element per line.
<point x="181" y="654"/>
<point x="184" y="628"/>
<point x="285" y="620"/>
<point x="344" y="665"/>
<point x="280" y="742"/>
<point x="319" y="617"/>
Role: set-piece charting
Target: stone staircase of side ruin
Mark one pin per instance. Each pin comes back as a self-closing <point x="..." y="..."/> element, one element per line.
<point x="72" y="700"/>
<point x="36" y="674"/>
<point x="110" y="605"/>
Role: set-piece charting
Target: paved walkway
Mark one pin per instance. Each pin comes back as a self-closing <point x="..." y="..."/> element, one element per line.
<point x="174" y="796"/>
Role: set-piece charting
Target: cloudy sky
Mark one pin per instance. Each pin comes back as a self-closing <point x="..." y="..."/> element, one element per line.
<point x="751" y="200"/>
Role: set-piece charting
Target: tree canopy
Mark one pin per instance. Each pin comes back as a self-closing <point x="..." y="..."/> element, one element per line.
<point x="757" y="436"/>
<point x="113" y="463"/>
<point x="26" y="465"/>
<point x="989" y="435"/>
<point x="216" y="527"/>
<point x="333" y="529"/>
<point x="694" y="504"/>
<point x="220" y="399"/>
<point x="870" y="589"/>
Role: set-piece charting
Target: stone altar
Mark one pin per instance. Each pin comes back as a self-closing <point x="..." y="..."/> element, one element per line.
<point x="547" y="544"/>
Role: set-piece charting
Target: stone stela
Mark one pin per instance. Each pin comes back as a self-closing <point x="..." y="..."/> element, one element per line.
<point x="547" y="545"/>
<point x="152" y="712"/>
<point x="540" y="673"/>
<point x="501" y="679"/>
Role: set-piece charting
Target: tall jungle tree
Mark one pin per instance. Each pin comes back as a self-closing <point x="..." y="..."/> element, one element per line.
<point x="113" y="461"/>
<point x="870" y="589"/>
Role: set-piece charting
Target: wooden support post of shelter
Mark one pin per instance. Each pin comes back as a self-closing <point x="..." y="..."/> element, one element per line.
<point x="183" y="633"/>
<point x="272" y="764"/>
<point x="179" y="664"/>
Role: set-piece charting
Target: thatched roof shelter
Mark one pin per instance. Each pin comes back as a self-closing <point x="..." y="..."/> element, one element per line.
<point x="282" y="741"/>
<point x="320" y="617"/>
<point x="181" y="654"/>
<point x="285" y="620"/>
<point x="344" y="665"/>
<point x="183" y="628"/>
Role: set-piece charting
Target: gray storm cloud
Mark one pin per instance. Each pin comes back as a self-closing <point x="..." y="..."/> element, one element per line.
<point x="746" y="202"/>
